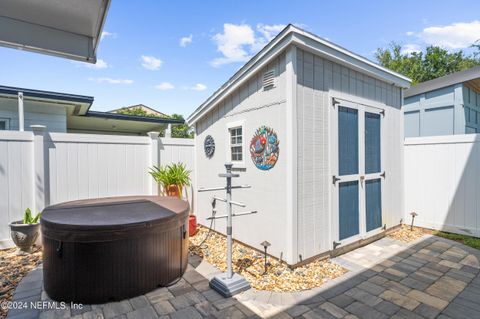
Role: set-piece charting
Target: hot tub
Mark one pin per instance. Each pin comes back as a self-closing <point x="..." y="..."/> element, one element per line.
<point x="109" y="249"/>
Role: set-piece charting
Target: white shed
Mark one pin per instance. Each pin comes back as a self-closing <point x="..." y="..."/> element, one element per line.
<point x="317" y="131"/>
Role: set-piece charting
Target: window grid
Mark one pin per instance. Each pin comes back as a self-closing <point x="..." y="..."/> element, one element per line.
<point x="236" y="146"/>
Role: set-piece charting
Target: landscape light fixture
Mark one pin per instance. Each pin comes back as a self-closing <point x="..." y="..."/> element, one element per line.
<point x="413" y="214"/>
<point x="265" y="245"/>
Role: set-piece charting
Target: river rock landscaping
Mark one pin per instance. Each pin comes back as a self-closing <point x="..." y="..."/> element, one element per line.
<point x="407" y="235"/>
<point x="15" y="264"/>
<point x="250" y="263"/>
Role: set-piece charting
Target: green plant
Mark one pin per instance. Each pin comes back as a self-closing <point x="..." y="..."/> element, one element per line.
<point x="28" y="219"/>
<point x="174" y="174"/>
<point x="471" y="241"/>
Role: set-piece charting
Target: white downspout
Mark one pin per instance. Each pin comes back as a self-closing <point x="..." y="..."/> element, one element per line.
<point x="21" y="118"/>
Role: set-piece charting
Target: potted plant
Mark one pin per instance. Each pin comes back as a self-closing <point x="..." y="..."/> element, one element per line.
<point x="25" y="232"/>
<point x="173" y="179"/>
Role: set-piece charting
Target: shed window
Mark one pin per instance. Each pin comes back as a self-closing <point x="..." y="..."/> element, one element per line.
<point x="236" y="144"/>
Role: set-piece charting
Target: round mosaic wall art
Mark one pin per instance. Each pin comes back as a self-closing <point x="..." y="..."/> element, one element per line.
<point x="264" y="148"/>
<point x="209" y="146"/>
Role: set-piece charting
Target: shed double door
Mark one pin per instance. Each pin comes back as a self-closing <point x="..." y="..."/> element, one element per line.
<point x="358" y="173"/>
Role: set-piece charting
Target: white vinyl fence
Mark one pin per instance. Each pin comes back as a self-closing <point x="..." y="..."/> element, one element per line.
<point x="39" y="168"/>
<point x="442" y="182"/>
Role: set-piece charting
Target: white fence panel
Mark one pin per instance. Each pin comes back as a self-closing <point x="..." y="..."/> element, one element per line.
<point x="90" y="166"/>
<point x="442" y="182"/>
<point x="78" y="166"/>
<point x="175" y="150"/>
<point x="16" y="178"/>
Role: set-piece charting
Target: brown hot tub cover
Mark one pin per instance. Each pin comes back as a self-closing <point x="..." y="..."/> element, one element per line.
<point x="113" y="248"/>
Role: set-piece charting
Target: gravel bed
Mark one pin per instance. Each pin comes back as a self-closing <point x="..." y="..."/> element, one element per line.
<point x="250" y="263"/>
<point x="15" y="264"/>
<point x="406" y="235"/>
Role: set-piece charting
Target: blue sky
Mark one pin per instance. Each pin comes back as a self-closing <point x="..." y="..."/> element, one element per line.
<point x="143" y="59"/>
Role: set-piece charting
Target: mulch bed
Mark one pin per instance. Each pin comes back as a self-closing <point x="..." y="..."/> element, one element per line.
<point x="250" y="263"/>
<point x="406" y="235"/>
<point x="13" y="266"/>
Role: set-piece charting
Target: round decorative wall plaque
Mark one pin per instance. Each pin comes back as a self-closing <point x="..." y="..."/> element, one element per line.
<point x="264" y="148"/>
<point x="209" y="146"/>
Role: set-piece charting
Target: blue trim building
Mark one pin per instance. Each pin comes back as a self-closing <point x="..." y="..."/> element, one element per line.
<point x="444" y="106"/>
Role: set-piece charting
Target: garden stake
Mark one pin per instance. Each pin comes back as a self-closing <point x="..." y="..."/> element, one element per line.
<point x="413" y="214"/>
<point x="228" y="283"/>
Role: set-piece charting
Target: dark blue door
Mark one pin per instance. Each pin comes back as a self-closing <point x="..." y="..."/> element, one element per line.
<point x="347" y="141"/>
<point x="373" y="184"/>
<point x="348" y="209"/>
<point x="373" y="203"/>
<point x="348" y="155"/>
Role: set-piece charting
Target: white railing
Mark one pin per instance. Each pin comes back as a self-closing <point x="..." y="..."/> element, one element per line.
<point x="442" y="182"/>
<point x="39" y="168"/>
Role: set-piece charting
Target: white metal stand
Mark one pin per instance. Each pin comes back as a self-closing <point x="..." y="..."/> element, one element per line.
<point x="229" y="283"/>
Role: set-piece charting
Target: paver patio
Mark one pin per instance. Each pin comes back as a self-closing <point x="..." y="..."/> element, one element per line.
<point x="429" y="278"/>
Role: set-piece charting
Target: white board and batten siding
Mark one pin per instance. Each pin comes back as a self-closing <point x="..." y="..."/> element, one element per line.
<point x="442" y="182"/>
<point x="79" y="166"/>
<point x="16" y="177"/>
<point x="250" y="106"/>
<point x="317" y="78"/>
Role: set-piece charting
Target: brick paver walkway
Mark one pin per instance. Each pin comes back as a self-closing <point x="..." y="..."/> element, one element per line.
<point x="433" y="278"/>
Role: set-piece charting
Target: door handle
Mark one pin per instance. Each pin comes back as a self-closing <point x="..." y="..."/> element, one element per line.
<point x="362" y="178"/>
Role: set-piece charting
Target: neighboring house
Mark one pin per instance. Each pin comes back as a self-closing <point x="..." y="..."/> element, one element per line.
<point x="142" y="108"/>
<point x="61" y="112"/>
<point x="444" y="106"/>
<point x="338" y="166"/>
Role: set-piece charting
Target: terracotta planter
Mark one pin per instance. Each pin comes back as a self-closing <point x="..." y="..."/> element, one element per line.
<point x="24" y="235"/>
<point x="192" y="225"/>
<point x="173" y="191"/>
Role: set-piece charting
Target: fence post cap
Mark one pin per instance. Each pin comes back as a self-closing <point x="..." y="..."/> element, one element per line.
<point x="38" y="129"/>
<point x="153" y="135"/>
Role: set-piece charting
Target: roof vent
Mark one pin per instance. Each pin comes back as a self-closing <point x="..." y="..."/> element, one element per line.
<point x="269" y="80"/>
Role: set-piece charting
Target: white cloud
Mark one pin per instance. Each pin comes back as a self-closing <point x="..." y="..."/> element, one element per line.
<point x="410" y="48"/>
<point x="270" y="31"/>
<point x="238" y="42"/>
<point x="106" y="34"/>
<point x="151" y="63"/>
<point x="164" y="86"/>
<point x="101" y="64"/>
<point x="196" y="87"/>
<point x="110" y="80"/>
<point x="186" y="40"/>
<point x="454" y="36"/>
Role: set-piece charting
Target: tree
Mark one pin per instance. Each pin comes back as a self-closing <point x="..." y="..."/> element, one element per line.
<point x="423" y="66"/>
<point x="136" y="111"/>
<point x="181" y="130"/>
<point x="178" y="130"/>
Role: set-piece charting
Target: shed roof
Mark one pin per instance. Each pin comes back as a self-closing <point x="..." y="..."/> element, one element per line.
<point x="305" y="40"/>
<point x="66" y="28"/>
<point x="444" y="81"/>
